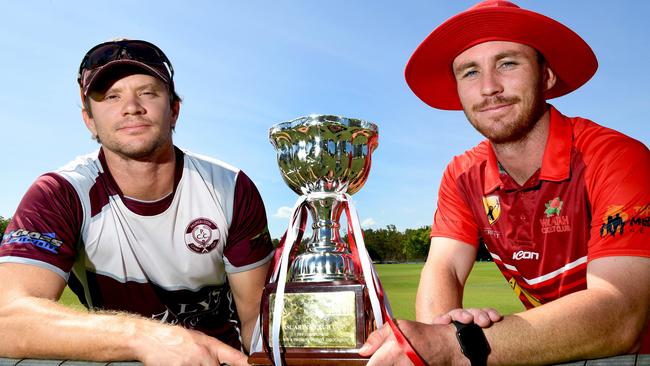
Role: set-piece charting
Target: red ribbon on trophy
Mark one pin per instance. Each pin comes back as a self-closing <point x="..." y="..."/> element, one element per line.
<point x="282" y="261"/>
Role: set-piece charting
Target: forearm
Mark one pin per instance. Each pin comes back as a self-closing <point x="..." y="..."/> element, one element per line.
<point x="247" y="333"/>
<point x="40" y="328"/>
<point x="248" y="312"/>
<point x="438" y="292"/>
<point x="247" y="290"/>
<point x="586" y="324"/>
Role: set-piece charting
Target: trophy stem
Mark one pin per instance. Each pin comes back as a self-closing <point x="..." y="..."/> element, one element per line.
<point x="326" y="256"/>
<point x="326" y="238"/>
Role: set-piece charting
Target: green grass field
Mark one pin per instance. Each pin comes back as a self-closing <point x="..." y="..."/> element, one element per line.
<point x="485" y="287"/>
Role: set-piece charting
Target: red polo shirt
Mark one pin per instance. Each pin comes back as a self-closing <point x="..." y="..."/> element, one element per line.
<point x="590" y="199"/>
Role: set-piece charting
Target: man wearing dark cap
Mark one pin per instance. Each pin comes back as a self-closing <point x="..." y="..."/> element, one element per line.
<point x="169" y="249"/>
<point x="565" y="221"/>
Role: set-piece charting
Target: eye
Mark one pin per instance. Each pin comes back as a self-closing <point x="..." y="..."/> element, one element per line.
<point x="111" y="96"/>
<point x="507" y="64"/>
<point x="470" y="73"/>
<point x="149" y="92"/>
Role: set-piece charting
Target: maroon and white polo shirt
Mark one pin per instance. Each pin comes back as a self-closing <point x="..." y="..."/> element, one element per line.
<point x="166" y="259"/>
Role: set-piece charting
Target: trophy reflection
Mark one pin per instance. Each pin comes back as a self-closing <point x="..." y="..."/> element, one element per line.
<point x="324" y="290"/>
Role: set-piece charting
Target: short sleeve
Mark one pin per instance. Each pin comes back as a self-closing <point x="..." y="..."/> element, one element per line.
<point x="617" y="178"/>
<point x="46" y="227"/>
<point x="249" y="243"/>
<point x="453" y="217"/>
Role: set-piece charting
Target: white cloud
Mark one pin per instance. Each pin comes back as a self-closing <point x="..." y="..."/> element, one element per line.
<point x="365" y="224"/>
<point x="283" y="212"/>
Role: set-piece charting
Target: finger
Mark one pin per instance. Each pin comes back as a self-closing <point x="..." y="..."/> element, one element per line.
<point x="461" y="315"/>
<point x="375" y="340"/>
<point x="225" y="354"/>
<point x="232" y="357"/>
<point x="443" y="319"/>
<point x="494" y="315"/>
<point x="481" y="317"/>
<point x="389" y="354"/>
<point x="379" y="357"/>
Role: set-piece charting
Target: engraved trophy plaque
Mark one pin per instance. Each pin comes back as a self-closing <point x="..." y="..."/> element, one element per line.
<point x="325" y="294"/>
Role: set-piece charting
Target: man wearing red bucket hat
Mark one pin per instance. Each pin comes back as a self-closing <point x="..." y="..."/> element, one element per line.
<point x="169" y="249"/>
<point x="566" y="223"/>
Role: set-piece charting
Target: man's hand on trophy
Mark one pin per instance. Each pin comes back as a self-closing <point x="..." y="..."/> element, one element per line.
<point x="436" y="344"/>
<point x="484" y="317"/>
<point x="162" y="344"/>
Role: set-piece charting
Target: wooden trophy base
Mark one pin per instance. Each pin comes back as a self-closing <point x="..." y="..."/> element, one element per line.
<point x="261" y="359"/>
<point x="323" y="323"/>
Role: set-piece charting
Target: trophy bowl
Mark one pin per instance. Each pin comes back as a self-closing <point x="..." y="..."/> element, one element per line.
<point x="324" y="153"/>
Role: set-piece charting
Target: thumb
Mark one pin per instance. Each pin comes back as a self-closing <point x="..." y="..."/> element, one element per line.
<point x="229" y="356"/>
<point x="375" y="340"/>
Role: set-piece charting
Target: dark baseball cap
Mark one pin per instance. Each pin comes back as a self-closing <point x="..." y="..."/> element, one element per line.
<point x="118" y="54"/>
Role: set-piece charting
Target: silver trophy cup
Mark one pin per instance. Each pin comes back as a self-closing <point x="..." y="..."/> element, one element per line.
<point x="324" y="156"/>
<point x="326" y="311"/>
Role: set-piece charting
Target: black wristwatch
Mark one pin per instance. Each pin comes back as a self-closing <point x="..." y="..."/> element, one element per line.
<point x="473" y="343"/>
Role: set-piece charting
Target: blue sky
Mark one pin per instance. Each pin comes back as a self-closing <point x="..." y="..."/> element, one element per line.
<point x="242" y="66"/>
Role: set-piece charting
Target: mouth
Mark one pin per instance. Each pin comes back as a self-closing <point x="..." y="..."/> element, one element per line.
<point x="133" y="127"/>
<point x="495" y="108"/>
<point x="133" y="130"/>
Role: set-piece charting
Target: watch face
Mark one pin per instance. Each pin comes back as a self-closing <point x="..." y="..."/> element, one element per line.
<point x="472" y="335"/>
<point x="473" y="343"/>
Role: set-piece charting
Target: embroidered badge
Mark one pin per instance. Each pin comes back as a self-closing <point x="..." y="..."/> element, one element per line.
<point x="202" y="235"/>
<point x="492" y="208"/>
<point x="553" y="207"/>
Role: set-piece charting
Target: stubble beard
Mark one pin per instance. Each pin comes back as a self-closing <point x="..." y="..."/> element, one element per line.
<point x="139" y="150"/>
<point x="508" y="129"/>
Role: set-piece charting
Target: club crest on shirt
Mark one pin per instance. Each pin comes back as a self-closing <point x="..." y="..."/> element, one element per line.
<point x="202" y="235"/>
<point x="492" y="208"/>
<point x="553" y="207"/>
<point x="554" y="222"/>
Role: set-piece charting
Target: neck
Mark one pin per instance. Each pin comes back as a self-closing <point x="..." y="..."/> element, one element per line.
<point x="522" y="158"/>
<point x="147" y="179"/>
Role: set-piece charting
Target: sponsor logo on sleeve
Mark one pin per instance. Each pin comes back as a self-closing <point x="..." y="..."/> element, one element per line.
<point x="46" y="241"/>
<point x="492" y="208"/>
<point x="617" y="222"/>
<point x="202" y="235"/>
<point x="641" y="220"/>
<point x="614" y="221"/>
<point x="262" y="238"/>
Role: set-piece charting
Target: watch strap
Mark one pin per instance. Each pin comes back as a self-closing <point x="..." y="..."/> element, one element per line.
<point x="473" y="343"/>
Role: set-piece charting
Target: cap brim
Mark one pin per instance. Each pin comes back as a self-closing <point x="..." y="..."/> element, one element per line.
<point x="100" y="72"/>
<point x="429" y="70"/>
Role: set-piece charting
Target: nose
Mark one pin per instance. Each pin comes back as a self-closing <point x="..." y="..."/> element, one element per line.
<point x="490" y="83"/>
<point x="132" y="105"/>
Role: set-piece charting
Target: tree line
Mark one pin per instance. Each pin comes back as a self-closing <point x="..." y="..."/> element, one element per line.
<point x="389" y="245"/>
<point x="3" y="224"/>
<point x="385" y="245"/>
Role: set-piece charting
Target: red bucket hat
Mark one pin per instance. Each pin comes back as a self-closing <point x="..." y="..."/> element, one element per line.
<point x="429" y="71"/>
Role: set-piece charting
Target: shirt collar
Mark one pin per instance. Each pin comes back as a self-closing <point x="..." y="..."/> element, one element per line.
<point x="556" y="162"/>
